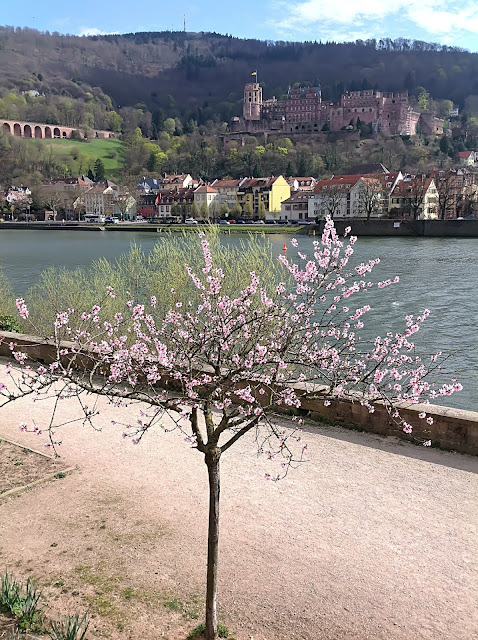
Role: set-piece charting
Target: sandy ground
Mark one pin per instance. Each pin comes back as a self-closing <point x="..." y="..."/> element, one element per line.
<point x="371" y="538"/>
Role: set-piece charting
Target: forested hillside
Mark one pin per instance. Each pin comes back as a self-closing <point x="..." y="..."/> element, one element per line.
<point x="169" y="95"/>
<point x="147" y="77"/>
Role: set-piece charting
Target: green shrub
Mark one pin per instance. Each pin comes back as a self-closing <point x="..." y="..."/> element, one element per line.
<point x="9" y="592"/>
<point x="9" y="323"/>
<point x="28" y="609"/>
<point x="25" y="608"/>
<point x="138" y="275"/>
<point x="69" y="628"/>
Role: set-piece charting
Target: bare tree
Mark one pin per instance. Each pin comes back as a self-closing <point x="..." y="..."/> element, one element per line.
<point x="53" y="196"/>
<point x="332" y="200"/>
<point x="370" y="197"/>
<point x="446" y="184"/>
<point x="414" y="193"/>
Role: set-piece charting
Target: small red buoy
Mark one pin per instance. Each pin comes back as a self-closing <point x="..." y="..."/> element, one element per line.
<point x="284" y="248"/>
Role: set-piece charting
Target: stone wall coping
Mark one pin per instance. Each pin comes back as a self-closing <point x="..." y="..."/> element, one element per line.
<point x="453" y="429"/>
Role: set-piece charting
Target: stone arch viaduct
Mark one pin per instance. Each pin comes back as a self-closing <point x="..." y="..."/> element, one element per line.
<point x="38" y="130"/>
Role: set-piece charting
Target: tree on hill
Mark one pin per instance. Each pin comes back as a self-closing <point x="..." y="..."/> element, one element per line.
<point x="223" y="360"/>
<point x="99" y="170"/>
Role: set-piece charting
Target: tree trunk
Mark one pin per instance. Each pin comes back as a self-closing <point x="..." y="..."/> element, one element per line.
<point x="212" y="462"/>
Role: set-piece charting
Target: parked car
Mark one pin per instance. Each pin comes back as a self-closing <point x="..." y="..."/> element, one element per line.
<point x="190" y="221"/>
<point x="111" y="220"/>
<point x="222" y="222"/>
<point x="240" y="222"/>
<point x="259" y="222"/>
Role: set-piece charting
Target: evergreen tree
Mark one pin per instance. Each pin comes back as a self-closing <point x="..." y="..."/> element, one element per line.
<point x="151" y="163"/>
<point x="99" y="170"/>
<point x="444" y="144"/>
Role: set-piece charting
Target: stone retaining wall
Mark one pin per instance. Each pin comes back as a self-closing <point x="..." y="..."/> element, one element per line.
<point x="407" y="228"/>
<point x="452" y="429"/>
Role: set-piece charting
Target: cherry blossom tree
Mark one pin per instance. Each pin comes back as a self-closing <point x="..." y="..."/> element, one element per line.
<point x="220" y="366"/>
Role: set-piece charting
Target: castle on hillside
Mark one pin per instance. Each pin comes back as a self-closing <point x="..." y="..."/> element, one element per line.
<point x="304" y="111"/>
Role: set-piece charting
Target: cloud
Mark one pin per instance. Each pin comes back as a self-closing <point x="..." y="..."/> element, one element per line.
<point x="349" y="19"/>
<point x="91" y="31"/>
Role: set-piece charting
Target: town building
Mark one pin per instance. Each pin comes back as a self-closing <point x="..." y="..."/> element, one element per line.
<point x="227" y="192"/>
<point x="105" y="199"/>
<point x="262" y="197"/>
<point x="172" y="202"/>
<point x="167" y="181"/>
<point x="468" y="158"/>
<point x="296" y="208"/>
<point x="205" y="197"/>
<point x="19" y="197"/>
<point x="415" y="197"/>
<point x="457" y="191"/>
<point x="353" y="196"/>
<point x="301" y="183"/>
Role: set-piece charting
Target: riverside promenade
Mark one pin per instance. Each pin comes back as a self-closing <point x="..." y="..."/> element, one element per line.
<point x="372" y="538"/>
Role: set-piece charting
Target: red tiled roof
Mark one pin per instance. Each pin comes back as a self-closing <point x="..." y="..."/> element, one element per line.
<point x="346" y="181"/>
<point x="405" y="187"/>
<point x="205" y="188"/>
<point x="224" y="184"/>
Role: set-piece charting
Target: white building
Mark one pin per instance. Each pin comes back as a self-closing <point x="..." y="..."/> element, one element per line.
<point x="205" y="195"/>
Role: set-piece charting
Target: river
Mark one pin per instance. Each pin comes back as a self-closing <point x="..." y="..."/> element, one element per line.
<point x="440" y="274"/>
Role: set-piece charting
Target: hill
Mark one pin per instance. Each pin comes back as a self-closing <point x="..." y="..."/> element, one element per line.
<point x="200" y="76"/>
<point x="81" y="156"/>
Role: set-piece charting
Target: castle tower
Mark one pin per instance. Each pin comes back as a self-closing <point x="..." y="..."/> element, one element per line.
<point x="252" y="101"/>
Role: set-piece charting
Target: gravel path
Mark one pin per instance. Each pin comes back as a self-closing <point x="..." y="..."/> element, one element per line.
<point x="372" y="538"/>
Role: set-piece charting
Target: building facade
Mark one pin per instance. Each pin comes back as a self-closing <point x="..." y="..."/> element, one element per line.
<point x="304" y="111"/>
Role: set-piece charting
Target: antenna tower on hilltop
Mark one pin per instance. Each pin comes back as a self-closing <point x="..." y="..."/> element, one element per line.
<point x="184" y="23"/>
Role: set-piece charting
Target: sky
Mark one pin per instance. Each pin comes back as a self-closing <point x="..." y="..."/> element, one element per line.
<point x="451" y="22"/>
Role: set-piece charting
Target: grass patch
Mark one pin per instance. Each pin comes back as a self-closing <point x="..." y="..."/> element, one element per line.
<point x="110" y="151"/>
<point x="222" y="631"/>
<point x="174" y="605"/>
<point x="189" y="608"/>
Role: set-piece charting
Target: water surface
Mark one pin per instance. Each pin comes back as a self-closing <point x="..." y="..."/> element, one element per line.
<point x="440" y="274"/>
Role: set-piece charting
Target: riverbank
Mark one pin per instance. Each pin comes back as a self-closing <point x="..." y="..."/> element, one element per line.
<point x="386" y="228"/>
<point x="157" y="228"/>
<point x="407" y="228"/>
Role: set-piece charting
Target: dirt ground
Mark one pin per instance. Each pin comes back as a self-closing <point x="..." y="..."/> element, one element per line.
<point x="372" y="538"/>
<point x="20" y="467"/>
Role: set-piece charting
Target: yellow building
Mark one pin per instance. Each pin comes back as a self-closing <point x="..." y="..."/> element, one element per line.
<point x="262" y="197"/>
